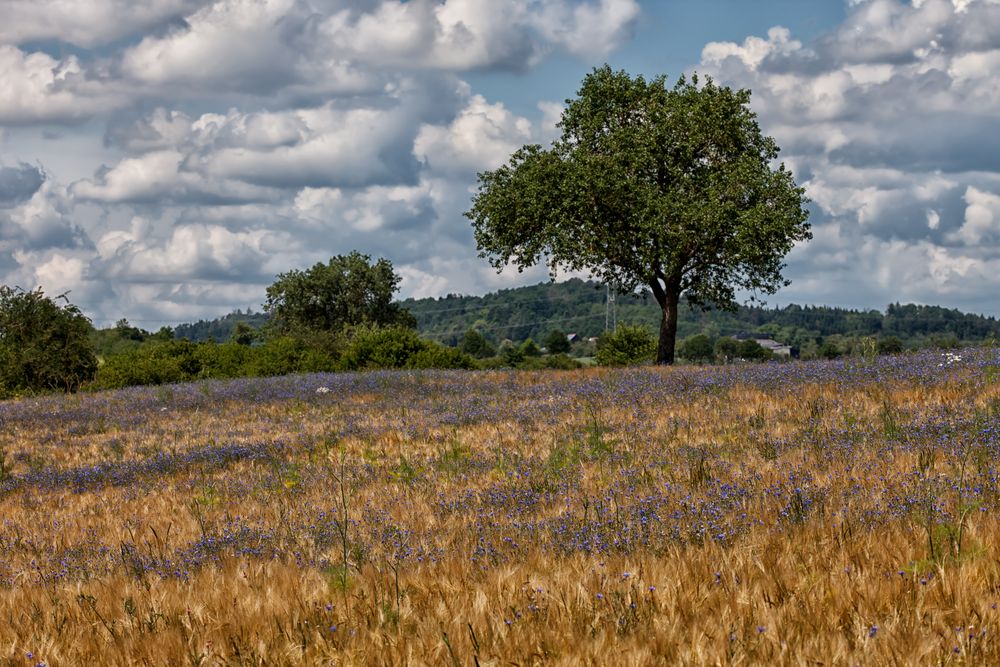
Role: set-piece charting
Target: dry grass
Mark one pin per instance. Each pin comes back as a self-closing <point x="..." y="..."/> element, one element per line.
<point x="801" y="514"/>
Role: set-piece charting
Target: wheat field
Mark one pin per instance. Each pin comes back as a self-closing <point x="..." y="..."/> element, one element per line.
<point x="825" y="513"/>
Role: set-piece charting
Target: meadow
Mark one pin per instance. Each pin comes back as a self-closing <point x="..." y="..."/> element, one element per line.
<point x="828" y="513"/>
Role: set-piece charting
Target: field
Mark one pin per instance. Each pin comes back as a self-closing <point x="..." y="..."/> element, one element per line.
<point x="815" y="513"/>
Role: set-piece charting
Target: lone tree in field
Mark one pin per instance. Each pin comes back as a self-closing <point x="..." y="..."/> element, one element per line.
<point x="348" y="290"/>
<point x="670" y="189"/>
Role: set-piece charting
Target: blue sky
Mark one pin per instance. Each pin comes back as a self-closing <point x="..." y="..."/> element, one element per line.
<point x="165" y="160"/>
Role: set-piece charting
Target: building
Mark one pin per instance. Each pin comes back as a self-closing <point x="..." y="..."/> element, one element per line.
<point x="766" y="342"/>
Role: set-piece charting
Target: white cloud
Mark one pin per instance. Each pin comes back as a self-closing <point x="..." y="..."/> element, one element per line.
<point x="37" y="88"/>
<point x="161" y="177"/>
<point x="982" y="218"/>
<point x="482" y="136"/>
<point x="86" y="23"/>
<point x="753" y="50"/>
<point x="892" y="123"/>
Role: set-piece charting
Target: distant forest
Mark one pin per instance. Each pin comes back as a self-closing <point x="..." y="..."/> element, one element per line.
<point x="580" y="307"/>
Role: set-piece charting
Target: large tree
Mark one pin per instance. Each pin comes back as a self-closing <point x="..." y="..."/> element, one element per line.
<point x="672" y="189"/>
<point x="348" y="290"/>
<point x="43" y="345"/>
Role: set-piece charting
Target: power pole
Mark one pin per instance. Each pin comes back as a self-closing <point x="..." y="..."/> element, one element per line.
<point x="610" y="310"/>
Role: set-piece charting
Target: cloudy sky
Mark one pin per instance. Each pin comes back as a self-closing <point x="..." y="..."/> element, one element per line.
<point x="165" y="159"/>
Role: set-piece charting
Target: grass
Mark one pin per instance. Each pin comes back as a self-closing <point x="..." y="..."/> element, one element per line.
<point x="817" y="513"/>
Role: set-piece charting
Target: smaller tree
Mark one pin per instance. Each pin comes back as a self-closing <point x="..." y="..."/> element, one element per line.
<point x="625" y="346"/>
<point x="347" y="291"/>
<point x="475" y="344"/>
<point x="557" y="342"/>
<point x="751" y="350"/>
<point x="829" y="350"/>
<point x="244" y="334"/>
<point x="43" y="345"/>
<point x="529" y="348"/>
<point x="698" y="348"/>
<point x="727" y="349"/>
<point x="890" y="345"/>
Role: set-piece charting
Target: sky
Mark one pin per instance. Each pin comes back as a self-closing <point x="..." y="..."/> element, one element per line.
<point x="164" y="160"/>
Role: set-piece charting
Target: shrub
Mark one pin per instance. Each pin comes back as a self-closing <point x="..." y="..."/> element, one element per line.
<point x="475" y="344"/>
<point x="43" y="345"/>
<point x="557" y="342"/>
<point x="625" y="346"/>
<point x="551" y="361"/>
<point x="153" y="363"/>
<point x="751" y="350"/>
<point x="390" y="347"/>
<point x="697" y="348"/>
<point x="440" y="356"/>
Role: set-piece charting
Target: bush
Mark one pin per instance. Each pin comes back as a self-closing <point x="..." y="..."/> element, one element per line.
<point x="227" y="360"/>
<point x="475" y="344"/>
<point x="697" y="348"/>
<point x="625" y="346"/>
<point x="727" y="349"/>
<point x="550" y="362"/>
<point x="890" y="345"/>
<point x="153" y="363"/>
<point x="510" y="354"/>
<point x="440" y="356"/>
<point x="43" y="345"/>
<point x="529" y="348"/>
<point x="751" y="350"/>
<point x="390" y="347"/>
<point x="557" y="342"/>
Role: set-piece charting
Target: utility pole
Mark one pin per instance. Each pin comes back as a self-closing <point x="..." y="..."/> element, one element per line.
<point x="610" y="309"/>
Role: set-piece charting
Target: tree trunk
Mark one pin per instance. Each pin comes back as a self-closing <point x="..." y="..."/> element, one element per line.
<point x="668" y="296"/>
<point x="668" y="328"/>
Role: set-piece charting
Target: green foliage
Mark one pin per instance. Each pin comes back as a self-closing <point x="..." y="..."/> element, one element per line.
<point x="347" y="291"/>
<point x="697" y="348"/>
<point x="727" y="349"/>
<point x="625" y="346"/>
<point x="381" y="348"/>
<point x="557" y="342"/>
<point x="829" y="350"/>
<point x="889" y="345"/>
<point x="244" y="334"/>
<point x="440" y="356"/>
<point x="549" y="362"/>
<point x="510" y="354"/>
<point x="220" y="329"/>
<point x="164" y="362"/>
<point x="43" y="346"/>
<point x="154" y="363"/>
<point x="751" y="350"/>
<point x="475" y="345"/>
<point x="667" y="188"/>
<point x="530" y="349"/>
<point x="398" y="347"/>
<point x="527" y="312"/>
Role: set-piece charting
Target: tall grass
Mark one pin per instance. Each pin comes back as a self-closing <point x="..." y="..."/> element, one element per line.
<point x="821" y="513"/>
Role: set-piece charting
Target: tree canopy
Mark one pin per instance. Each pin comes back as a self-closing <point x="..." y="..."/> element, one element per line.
<point x="649" y="186"/>
<point x="43" y="345"/>
<point x="349" y="290"/>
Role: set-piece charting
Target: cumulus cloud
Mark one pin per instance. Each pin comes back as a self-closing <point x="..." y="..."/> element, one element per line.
<point x="87" y="23"/>
<point x="482" y="136"/>
<point x="37" y="88"/>
<point x="982" y="218"/>
<point x="465" y="34"/>
<point x="892" y="123"/>
<point x="19" y="183"/>
<point x="269" y="45"/>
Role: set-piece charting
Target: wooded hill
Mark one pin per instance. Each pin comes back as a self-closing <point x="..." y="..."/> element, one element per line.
<point x="577" y="306"/>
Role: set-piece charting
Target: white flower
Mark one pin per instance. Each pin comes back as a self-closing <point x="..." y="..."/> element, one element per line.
<point x="323" y="390"/>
